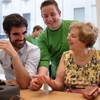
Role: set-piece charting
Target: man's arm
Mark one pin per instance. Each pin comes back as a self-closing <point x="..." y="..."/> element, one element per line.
<point x="45" y="54"/>
<point x="30" y="66"/>
<point x="35" y="84"/>
<point x="21" y="72"/>
<point x="42" y="70"/>
<point x="44" y="61"/>
<point x="22" y="76"/>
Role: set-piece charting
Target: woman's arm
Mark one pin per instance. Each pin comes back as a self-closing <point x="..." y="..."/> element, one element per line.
<point x="58" y="83"/>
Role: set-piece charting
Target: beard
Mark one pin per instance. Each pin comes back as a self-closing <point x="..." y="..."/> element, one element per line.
<point x="16" y="45"/>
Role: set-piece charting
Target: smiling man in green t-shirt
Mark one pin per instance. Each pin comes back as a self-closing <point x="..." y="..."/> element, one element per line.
<point x="52" y="41"/>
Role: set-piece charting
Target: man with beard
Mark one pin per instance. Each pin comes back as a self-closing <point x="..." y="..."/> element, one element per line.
<point x="19" y="59"/>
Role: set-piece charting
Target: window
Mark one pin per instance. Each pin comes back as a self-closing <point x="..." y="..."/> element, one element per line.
<point x="27" y="17"/>
<point x="79" y="14"/>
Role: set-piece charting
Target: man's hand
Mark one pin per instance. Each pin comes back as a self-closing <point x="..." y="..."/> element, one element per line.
<point x="38" y="81"/>
<point x="35" y="85"/>
<point x="7" y="47"/>
<point x="12" y="82"/>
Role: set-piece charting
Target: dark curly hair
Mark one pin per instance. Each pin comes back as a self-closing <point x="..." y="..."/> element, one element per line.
<point x="13" y="20"/>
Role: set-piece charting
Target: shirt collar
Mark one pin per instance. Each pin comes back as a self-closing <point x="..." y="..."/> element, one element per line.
<point x="20" y="51"/>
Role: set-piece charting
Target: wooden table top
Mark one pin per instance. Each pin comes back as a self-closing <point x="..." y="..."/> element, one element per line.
<point x="27" y="94"/>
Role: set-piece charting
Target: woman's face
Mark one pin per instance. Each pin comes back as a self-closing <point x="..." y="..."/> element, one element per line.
<point x="73" y="38"/>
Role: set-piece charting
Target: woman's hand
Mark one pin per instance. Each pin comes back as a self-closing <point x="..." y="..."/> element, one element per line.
<point x="42" y="78"/>
<point x="86" y="92"/>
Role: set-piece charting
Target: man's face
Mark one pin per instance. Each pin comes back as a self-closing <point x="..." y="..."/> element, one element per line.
<point x="51" y="16"/>
<point x="18" y="37"/>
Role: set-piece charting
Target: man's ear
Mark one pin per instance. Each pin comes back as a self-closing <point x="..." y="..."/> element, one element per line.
<point x="35" y="30"/>
<point x="6" y="33"/>
<point x="59" y="12"/>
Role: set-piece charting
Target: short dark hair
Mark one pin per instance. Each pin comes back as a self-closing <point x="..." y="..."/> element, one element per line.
<point x="49" y="2"/>
<point x="13" y="20"/>
<point x="37" y="27"/>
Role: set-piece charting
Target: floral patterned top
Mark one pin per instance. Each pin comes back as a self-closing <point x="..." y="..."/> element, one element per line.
<point x="77" y="77"/>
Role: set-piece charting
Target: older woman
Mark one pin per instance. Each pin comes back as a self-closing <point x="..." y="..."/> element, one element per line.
<point x="80" y="66"/>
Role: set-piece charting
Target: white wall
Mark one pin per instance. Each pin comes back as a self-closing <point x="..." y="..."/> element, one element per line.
<point x="98" y="19"/>
<point x="33" y="7"/>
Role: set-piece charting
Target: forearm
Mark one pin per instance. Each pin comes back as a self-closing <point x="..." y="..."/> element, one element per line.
<point x="55" y="85"/>
<point x="22" y="76"/>
<point x="43" y="70"/>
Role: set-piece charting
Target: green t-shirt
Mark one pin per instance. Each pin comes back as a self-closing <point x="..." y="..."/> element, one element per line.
<point x="32" y="40"/>
<point x="52" y="44"/>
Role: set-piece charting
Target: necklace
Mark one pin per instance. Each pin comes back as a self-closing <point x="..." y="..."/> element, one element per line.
<point x="84" y="58"/>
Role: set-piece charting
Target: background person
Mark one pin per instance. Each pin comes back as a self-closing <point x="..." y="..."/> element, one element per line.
<point x="80" y="66"/>
<point x="19" y="59"/>
<point x="52" y="41"/>
<point x="33" y="37"/>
